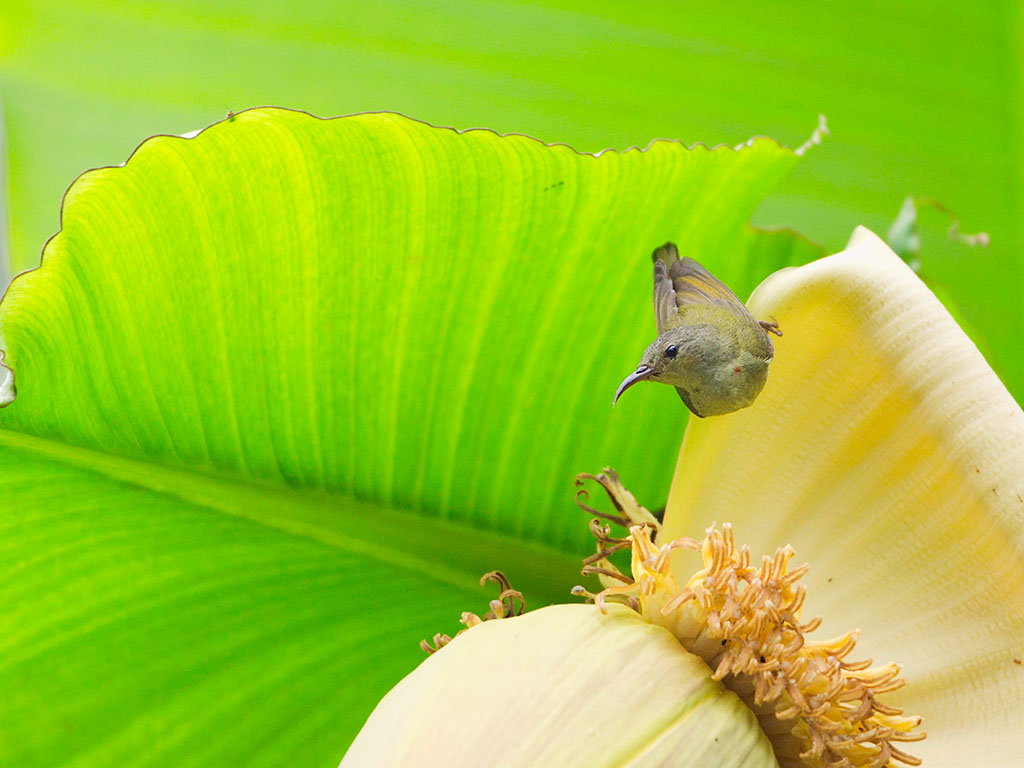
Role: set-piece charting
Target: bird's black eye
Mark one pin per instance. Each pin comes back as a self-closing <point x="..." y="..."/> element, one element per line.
<point x="671" y="351"/>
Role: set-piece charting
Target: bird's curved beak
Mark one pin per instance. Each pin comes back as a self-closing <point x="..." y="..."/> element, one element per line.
<point x="642" y="372"/>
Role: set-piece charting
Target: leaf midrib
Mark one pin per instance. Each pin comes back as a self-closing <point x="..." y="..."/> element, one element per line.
<point x="440" y="550"/>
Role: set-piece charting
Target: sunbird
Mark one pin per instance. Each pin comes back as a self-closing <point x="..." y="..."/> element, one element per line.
<point x="709" y="346"/>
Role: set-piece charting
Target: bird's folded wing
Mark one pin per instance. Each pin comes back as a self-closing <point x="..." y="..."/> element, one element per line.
<point x="680" y="284"/>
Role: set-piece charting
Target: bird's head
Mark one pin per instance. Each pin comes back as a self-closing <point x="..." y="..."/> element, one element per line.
<point x="670" y="359"/>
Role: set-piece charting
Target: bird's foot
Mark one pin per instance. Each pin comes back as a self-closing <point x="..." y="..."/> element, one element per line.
<point x="771" y="327"/>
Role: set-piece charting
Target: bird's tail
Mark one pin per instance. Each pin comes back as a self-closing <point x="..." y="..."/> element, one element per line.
<point x="668" y="253"/>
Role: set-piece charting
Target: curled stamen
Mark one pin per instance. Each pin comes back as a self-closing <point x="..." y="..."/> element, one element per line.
<point x="440" y="641"/>
<point x="619" y="544"/>
<point x="510" y="602"/>
<point x="583" y="493"/>
<point x="630" y="512"/>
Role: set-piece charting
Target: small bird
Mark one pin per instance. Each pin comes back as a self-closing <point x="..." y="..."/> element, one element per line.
<point x="709" y="346"/>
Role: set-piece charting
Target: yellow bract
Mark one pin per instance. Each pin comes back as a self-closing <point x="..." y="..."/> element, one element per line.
<point x="887" y="452"/>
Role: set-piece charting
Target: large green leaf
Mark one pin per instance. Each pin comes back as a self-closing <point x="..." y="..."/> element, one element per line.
<point x="923" y="99"/>
<point x="285" y="389"/>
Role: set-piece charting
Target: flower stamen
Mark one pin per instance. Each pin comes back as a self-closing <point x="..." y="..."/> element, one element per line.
<point x="510" y="602"/>
<point x="817" y="707"/>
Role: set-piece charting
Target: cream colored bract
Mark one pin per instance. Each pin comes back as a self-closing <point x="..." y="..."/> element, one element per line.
<point x="888" y="453"/>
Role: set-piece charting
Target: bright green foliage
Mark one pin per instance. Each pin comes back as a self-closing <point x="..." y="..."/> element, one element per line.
<point x="923" y="98"/>
<point x="237" y="335"/>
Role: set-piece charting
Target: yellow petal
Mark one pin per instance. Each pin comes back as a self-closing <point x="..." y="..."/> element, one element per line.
<point x="887" y="452"/>
<point x="562" y="686"/>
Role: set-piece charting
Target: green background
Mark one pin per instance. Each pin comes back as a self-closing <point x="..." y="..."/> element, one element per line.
<point x="923" y="98"/>
<point x="268" y="435"/>
<point x="207" y="607"/>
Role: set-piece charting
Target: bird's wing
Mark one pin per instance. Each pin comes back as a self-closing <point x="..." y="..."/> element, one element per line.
<point x="689" y="402"/>
<point x="681" y="284"/>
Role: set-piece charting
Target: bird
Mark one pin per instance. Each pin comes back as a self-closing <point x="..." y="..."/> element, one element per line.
<point x="709" y="346"/>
